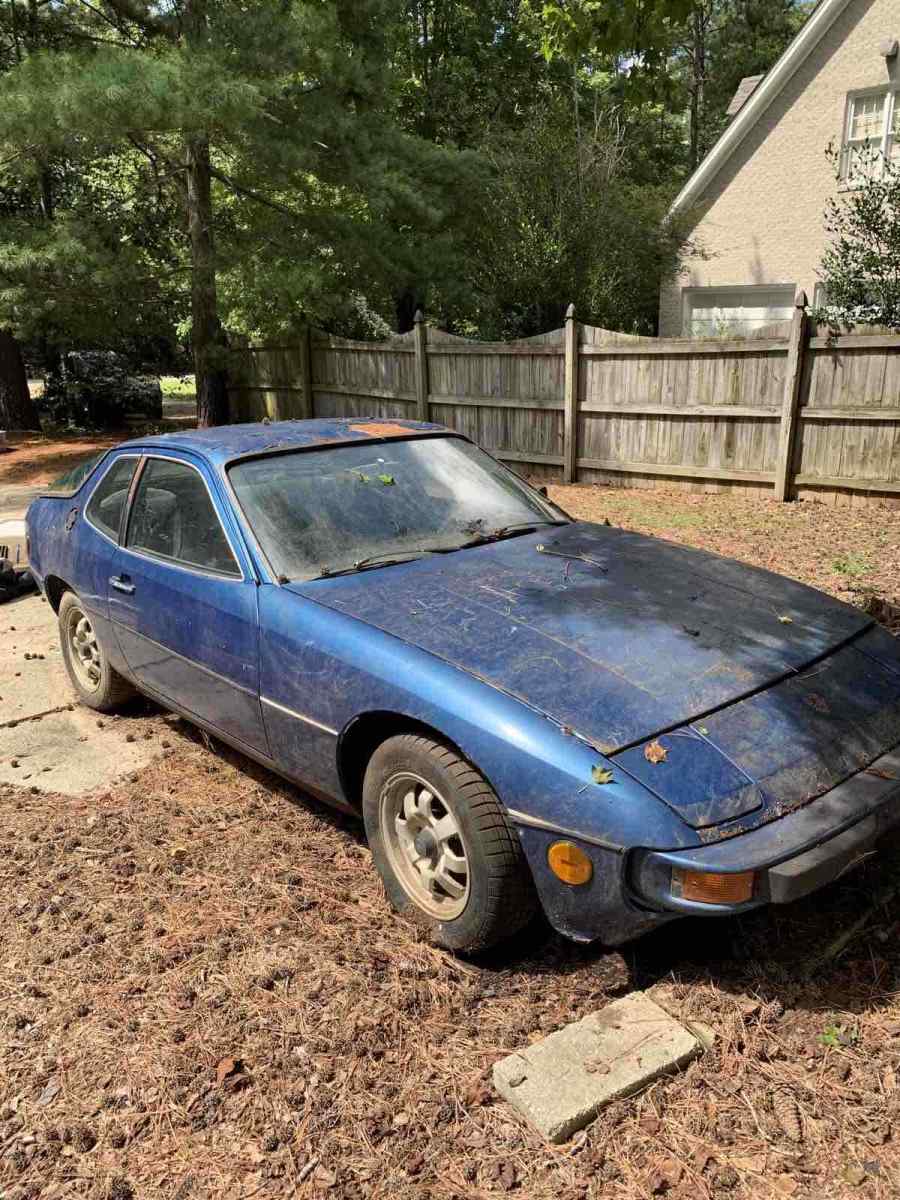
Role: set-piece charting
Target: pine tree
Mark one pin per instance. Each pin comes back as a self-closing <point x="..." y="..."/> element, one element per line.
<point x="269" y="123"/>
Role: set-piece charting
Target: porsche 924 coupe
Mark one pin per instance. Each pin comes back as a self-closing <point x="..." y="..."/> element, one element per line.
<point x="527" y="710"/>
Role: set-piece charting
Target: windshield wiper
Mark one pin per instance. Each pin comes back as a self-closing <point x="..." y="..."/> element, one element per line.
<point x="391" y="558"/>
<point x="375" y="560"/>
<point x="505" y="531"/>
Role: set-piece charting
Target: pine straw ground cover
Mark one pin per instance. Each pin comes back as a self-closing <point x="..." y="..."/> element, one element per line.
<point x="204" y="994"/>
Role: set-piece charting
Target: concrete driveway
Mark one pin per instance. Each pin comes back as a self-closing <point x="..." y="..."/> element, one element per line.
<point x="48" y="740"/>
<point x="15" y="498"/>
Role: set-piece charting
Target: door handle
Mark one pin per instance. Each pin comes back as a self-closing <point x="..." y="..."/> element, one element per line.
<point x="122" y="583"/>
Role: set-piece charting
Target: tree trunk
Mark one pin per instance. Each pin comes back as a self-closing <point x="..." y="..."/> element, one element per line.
<point x="207" y="335"/>
<point x="405" y="305"/>
<point x="698" y="83"/>
<point x="17" y="410"/>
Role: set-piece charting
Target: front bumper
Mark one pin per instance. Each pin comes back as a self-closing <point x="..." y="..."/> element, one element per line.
<point x="792" y="855"/>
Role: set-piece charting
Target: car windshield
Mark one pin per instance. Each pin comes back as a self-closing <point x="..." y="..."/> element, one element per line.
<point x="324" y="511"/>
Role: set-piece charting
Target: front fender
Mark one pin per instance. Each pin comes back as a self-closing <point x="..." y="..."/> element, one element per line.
<point x="330" y="669"/>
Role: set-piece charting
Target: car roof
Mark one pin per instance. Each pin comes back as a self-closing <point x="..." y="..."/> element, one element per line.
<point x="222" y="443"/>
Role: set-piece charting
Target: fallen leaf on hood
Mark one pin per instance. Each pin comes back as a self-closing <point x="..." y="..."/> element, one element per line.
<point x="878" y="773"/>
<point x="601" y="774"/>
<point x="785" y="620"/>
<point x="655" y="753"/>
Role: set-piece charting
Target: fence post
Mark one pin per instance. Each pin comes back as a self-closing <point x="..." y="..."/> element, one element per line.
<point x="306" y="371"/>
<point x="570" y="425"/>
<point x="421" y="340"/>
<point x="790" y="404"/>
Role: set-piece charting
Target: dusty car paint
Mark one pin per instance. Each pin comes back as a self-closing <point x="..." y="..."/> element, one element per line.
<point x="550" y="660"/>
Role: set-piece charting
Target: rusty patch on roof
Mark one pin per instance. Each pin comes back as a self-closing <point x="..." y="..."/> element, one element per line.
<point x="384" y="429"/>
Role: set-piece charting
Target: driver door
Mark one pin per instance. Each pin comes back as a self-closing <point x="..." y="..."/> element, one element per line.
<point x="184" y="602"/>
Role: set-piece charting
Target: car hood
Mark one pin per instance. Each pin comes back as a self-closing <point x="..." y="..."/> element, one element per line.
<point x="613" y="634"/>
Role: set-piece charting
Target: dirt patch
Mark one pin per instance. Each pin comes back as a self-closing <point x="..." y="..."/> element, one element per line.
<point x="851" y="553"/>
<point x="41" y="461"/>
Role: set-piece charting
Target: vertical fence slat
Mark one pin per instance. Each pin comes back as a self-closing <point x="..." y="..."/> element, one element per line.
<point x="306" y="372"/>
<point x="570" y="426"/>
<point x="787" y="433"/>
<point x="422" y="413"/>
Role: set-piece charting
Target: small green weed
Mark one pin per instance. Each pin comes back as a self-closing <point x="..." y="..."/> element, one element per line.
<point x="851" y="564"/>
<point x="838" y="1035"/>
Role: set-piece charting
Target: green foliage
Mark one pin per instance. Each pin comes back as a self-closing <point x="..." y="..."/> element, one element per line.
<point x="861" y="267"/>
<point x="493" y="159"/>
<point x="835" y="1036"/>
<point x="563" y="224"/>
<point x="852" y="564"/>
<point x="641" y="28"/>
<point x="317" y="190"/>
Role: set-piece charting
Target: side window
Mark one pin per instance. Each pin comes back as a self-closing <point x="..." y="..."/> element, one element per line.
<point x="173" y="517"/>
<point x="108" y="501"/>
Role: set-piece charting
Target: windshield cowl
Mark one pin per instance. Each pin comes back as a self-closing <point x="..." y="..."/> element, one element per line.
<point x="374" y="561"/>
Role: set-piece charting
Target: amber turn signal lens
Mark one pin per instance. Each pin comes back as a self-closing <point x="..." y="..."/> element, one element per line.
<point x="715" y="889"/>
<point x="569" y="864"/>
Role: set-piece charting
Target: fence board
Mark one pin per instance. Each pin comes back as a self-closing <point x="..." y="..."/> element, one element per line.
<point x="687" y="413"/>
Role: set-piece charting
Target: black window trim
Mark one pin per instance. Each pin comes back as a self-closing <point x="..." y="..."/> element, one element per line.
<point x="191" y="568"/>
<point x="87" y="504"/>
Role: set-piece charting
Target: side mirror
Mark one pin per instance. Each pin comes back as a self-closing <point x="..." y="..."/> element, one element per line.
<point x="543" y="489"/>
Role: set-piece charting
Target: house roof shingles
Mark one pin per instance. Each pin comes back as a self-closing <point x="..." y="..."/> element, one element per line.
<point x="745" y="90"/>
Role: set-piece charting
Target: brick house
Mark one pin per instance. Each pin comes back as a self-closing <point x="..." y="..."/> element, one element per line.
<point x="760" y="193"/>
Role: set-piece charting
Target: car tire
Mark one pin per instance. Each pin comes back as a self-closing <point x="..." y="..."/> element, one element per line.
<point x="98" y="685"/>
<point x="443" y="846"/>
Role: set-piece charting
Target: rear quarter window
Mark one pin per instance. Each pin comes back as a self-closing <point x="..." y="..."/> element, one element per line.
<point x="72" y="480"/>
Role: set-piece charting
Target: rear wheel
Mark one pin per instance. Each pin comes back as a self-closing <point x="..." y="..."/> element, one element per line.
<point x="443" y="846"/>
<point x="97" y="684"/>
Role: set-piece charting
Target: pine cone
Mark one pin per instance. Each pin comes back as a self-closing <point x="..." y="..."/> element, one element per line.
<point x="787" y="1113"/>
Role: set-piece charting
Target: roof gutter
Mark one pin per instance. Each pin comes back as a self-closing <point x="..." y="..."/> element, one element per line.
<point x="818" y="24"/>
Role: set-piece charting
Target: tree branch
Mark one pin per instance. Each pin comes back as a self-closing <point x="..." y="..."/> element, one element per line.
<point x="101" y="14"/>
<point x="137" y="13"/>
<point x="241" y="190"/>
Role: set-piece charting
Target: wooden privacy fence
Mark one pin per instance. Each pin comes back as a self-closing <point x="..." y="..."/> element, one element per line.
<point x="794" y="410"/>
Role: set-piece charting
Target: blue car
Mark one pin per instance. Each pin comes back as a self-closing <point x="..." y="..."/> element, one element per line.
<point x="529" y="712"/>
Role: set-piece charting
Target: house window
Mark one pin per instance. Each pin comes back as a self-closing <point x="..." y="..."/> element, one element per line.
<point x="872" y="133"/>
<point x="736" y="311"/>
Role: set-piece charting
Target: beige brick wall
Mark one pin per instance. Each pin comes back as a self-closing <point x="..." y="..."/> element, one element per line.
<point x="762" y="216"/>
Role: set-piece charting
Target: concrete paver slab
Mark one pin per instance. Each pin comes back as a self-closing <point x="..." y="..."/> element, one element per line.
<point x="560" y="1083"/>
